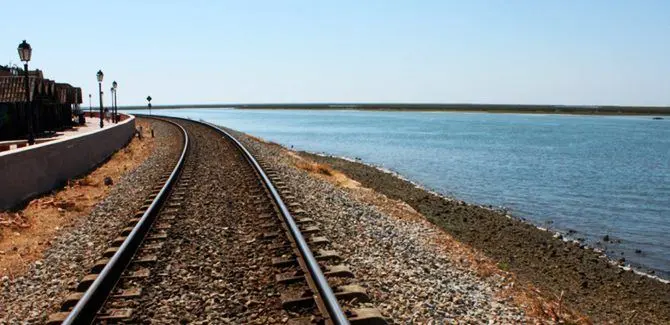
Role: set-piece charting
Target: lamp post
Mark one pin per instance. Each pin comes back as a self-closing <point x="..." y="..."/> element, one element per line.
<point x="111" y="107"/>
<point x="25" y="52"/>
<point x="90" y="110"/>
<point x="116" y="110"/>
<point x="100" y="75"/>
<point x="149" y="100"/>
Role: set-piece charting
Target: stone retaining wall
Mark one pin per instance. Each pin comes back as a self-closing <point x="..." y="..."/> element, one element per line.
<point x="31" y="171"/>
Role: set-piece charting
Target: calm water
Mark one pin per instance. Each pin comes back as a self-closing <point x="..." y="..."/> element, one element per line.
<point x="593" y="175"/>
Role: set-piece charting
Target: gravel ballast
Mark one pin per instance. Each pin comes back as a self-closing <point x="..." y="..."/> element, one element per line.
<point x="411" y="279"/>
<point x="213" y="269"/>
<point x="30" y="298"/>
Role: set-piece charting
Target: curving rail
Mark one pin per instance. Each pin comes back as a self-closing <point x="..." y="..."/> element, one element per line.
<point x="92" y="300"/>
<point x="335" y="312"/>
<point x="84" y="312"/>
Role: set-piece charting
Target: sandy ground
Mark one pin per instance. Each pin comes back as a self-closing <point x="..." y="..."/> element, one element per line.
<point x="26" y="233"/>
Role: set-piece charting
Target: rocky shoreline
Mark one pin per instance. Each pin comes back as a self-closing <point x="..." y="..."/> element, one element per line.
<point x="581" y="278"/>
<point x="566" y="236"/>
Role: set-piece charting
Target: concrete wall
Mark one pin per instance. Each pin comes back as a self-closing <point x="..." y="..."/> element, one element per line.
<point x="31" y="171"/>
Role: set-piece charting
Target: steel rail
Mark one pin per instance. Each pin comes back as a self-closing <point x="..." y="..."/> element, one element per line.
<point x="330" y="300"/>
<point x="86" y="309"/>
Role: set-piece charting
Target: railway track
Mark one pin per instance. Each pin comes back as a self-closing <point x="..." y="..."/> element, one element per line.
<point x="221" y="240"/>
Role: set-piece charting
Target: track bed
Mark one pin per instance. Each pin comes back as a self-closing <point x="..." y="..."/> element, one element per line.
<point x="222" y="245"/>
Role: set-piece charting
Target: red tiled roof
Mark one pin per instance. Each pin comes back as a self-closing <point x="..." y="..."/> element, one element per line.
<point x="12" y="89"/>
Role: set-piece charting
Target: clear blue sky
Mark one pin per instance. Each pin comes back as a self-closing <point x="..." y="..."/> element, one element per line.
<point x="513" y="51"/>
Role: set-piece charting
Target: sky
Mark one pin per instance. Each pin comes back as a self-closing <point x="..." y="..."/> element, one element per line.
<point x="568" y="52"/>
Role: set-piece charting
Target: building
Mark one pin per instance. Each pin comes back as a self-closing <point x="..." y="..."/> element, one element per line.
<point x="53" y="103"/>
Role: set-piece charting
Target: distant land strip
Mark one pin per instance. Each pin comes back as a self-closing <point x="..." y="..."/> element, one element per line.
<point x="491" y="108"/>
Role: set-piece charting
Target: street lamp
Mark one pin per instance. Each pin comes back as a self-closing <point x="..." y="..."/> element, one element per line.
<point x="149" y="100"/>
<point x="25" y="52"/>
<point x="100" y="75"/>
<point x="90" y="110"/>
<point x="111" y="108"/>
<point x="116" y="109"/>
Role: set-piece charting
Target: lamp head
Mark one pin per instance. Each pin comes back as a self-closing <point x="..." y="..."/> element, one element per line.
<point x="25" y="51"/>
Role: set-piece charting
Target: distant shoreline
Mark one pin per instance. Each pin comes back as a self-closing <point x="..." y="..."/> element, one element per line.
<point x="476" y="108"/>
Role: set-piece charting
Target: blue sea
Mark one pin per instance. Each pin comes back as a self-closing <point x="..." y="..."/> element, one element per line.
<point x="588" y="175"/>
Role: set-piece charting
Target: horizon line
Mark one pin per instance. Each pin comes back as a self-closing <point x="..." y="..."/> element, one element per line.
<point x="393" y="104"/>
